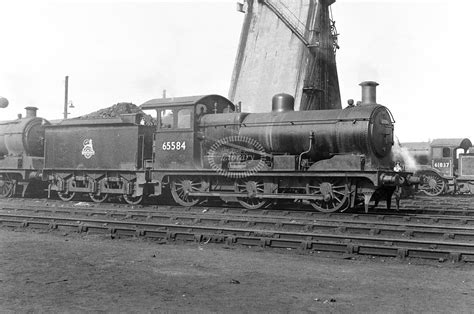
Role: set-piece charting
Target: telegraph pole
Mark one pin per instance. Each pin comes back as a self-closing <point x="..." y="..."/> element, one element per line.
<point x="66" y="96"/>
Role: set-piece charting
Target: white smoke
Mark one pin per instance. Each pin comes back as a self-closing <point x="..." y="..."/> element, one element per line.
<point x="402" y="154"/>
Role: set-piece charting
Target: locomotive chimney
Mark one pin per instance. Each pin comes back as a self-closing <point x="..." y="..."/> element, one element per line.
<point x="31" y="112"/>
<point x="283" y="102"/>
<point x="369" y="94"/>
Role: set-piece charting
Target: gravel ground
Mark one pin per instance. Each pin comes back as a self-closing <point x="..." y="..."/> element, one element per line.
<point x="56" y="272"/>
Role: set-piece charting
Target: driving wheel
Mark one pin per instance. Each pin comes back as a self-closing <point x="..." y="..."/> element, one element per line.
<point x="332" y="195"/>
<point x="251" y="188"/>
<point x="181" y="187"/>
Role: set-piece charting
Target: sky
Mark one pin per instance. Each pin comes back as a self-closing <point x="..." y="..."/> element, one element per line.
<point x="130" y="50"/>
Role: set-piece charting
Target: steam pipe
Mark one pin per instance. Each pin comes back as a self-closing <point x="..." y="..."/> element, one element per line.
<point x="311" y="139"/>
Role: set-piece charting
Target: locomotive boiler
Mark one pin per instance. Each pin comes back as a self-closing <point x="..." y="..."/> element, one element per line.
<point x="365" y="129"/>
<point x="23" y="136"/>
<point x="21" y="151"/>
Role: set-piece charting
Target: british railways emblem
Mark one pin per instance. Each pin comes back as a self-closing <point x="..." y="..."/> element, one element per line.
<point x="88" y="150"/>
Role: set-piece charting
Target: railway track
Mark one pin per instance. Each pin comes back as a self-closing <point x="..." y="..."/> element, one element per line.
<point x="452" y="201"/>
<point x="91" y="209"/>
<point x="409" y="235"/>
<point x="442" y="205"/>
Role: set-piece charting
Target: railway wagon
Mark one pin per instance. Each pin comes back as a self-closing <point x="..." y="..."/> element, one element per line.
<point x="101" y="157"/>
<point x="443" y="165"/>
<point x="331" y="159"/>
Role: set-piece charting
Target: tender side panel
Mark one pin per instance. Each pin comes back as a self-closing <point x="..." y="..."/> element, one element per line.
<point x="92" y="147"/>
<point x="466" y="167"/>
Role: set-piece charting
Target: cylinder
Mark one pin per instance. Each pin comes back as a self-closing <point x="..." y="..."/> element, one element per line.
<point x="31" y="112"/>
<point x="283" y="102"/>
<point x="369" y="92"/>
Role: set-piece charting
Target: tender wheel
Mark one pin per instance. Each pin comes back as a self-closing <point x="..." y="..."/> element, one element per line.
<point x="67" y="195"/>
<point x="132" y="200"/>
<point x="251" y="188"/>
<point x="180" y="187"/>
<point x="6" y="187"/>
<point x="432" y="184"/>
<point x="333" y="195"/>
<point x="98" y="198"/>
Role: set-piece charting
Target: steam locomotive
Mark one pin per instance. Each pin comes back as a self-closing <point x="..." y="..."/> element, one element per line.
<point x="203" y="147"/>
<point x="443" y="165"/>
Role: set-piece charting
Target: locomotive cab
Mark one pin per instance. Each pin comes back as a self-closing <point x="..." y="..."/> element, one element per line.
<point x="176" y="140"/>
<point x="445" y="155"/>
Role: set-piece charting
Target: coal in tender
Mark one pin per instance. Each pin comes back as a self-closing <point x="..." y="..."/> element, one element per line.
<point x="118" y="109"/>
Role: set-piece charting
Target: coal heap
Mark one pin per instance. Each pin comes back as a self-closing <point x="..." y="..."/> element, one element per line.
<point x="116" y="110"/>
<point x="112" y="112"/>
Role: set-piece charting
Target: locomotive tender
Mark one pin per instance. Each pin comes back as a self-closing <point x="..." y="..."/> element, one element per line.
<point x="202" y="147"/>
<point x="101" y="157"/>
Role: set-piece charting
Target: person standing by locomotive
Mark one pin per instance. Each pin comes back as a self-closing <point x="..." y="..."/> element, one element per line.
<point x="398" y="167"/>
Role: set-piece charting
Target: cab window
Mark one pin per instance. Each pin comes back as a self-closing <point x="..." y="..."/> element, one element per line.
<point x="150" y="117"/>
<point x="437" y="152"/>
<point x="446" y="152"/>
<point x="184" y="118"/>
<point x="166" y="119"/>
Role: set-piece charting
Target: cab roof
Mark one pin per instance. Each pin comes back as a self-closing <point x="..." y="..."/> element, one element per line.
<point x="463" y="143"/>
<point x="208" y="100"/>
